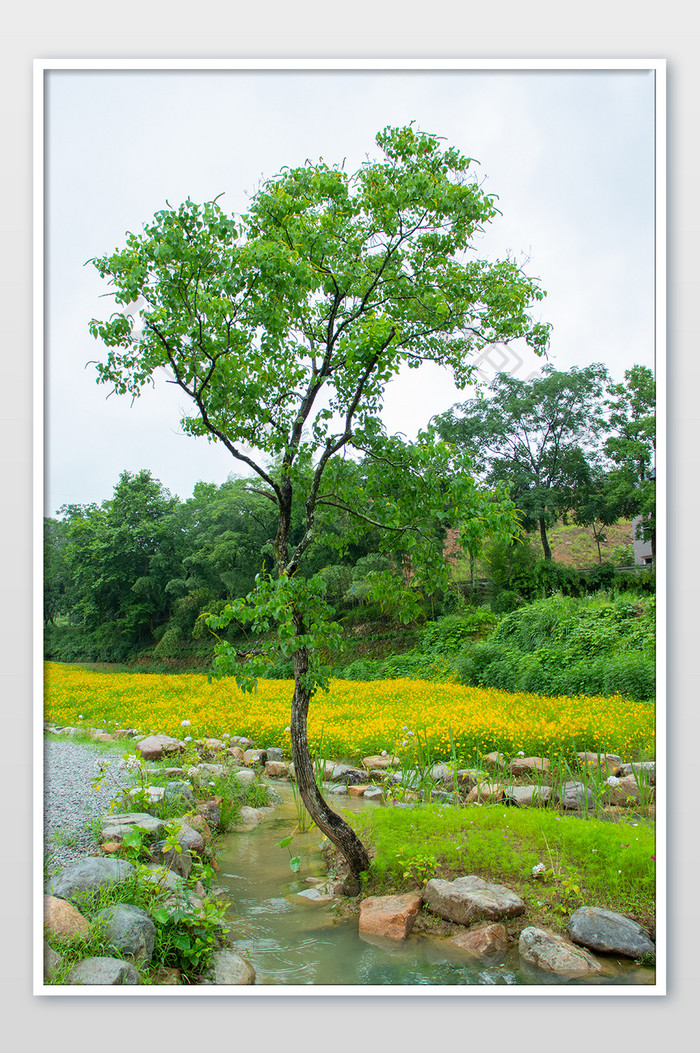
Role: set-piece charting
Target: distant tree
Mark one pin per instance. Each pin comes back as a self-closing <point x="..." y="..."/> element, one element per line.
<point x="57" y="580"/>
<point x="121" y="555"/>
<point x="538" y="437"/>
<point x="631" y="484"/>
<point x="284" y="327"/>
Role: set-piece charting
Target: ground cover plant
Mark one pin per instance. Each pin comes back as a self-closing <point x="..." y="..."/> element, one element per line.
<point x="354" y="719"/>
<point x="556" y="863"/>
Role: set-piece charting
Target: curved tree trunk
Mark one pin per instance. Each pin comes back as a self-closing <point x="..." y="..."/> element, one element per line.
<point x="335" y="828"/>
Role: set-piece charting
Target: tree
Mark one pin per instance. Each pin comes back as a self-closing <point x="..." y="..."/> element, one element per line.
<point x="536" y="436"/>
<point x="284" y="327"/>
<point x="631" y="483"/>
<point x="121" y="555"/>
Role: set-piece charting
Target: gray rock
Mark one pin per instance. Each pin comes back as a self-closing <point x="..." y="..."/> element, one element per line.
<point x="83" y="881"/>
<point x="110" y="971"/>
<point x="228" y="968"/>
<point x="245" y="777"/>
<point x="274" y="753"/>
<point x="373" y="793"/>
<point x="527" y="796"/>
<point x="159" y="875"/>
<point x="129" y="930"/>
<point x="180" y="862"/>
<point x="115" y="826"/>
<point x="470" y="898"/>
<point x="647" y="768"/>
<point x="52" y="961"/>
<point x="188" y="837"/>
<point x="610" y="933"/>
<point x="441" y="773"/>
<point x="348" y="775"/>
<point x="175" y="790"/>
<point x="553" y="954"/>
<point x="576" y="797"/>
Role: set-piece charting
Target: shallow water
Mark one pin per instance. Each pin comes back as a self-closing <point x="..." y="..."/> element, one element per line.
<point x="294" y="941"/>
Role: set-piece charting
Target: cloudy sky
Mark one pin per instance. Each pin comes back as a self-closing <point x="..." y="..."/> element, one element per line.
<point x="570" y="154"/>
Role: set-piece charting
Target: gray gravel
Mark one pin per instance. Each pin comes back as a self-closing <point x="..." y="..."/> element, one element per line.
<point x="71" y="802"/>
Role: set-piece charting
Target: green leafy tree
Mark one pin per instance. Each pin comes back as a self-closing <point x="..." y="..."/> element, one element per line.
<point x="121" y="555"/>
<point x="536" y="436"/>
<point x="631" y="484"/>
<point x="57" y="582"/>
<point x="284" y="327"/>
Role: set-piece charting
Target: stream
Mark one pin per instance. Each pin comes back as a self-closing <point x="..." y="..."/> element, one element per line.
<point x="291" y="940"/>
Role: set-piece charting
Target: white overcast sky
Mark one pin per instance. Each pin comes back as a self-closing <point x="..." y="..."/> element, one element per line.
<point x="570" y="154"/>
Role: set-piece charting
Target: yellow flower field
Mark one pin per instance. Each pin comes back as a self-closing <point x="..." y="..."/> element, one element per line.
<point x="353" y="718"/>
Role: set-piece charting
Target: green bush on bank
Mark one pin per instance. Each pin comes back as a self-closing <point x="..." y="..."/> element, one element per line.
<point x="567" y="646"/>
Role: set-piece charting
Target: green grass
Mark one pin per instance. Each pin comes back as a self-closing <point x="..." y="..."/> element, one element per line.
<point x="612" y="864"/>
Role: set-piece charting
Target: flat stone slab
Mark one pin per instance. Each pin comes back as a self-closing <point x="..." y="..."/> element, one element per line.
<point x="106" y="971"/>
<point x="115" y="826"/>
<point x="470" y="898"/>
<point x="606" y="932"/>
<point x="554" y="954"/>
<point x="390" y="917"/>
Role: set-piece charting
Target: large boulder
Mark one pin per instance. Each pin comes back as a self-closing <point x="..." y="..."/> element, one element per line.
<point x="128" y="930"/>
<point x="609" y="933"/>
<point x="64" y="920"/>
<point x="391" y="917"/>
<point x="553" y="954"/>
<point x="84" y="880"/>
<point x="153" y="747"/>
<point x="103" y="970"/>
<point x="470" y="898"/>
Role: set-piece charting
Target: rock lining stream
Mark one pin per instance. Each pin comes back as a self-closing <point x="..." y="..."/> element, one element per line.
<point x="294" y="932"/>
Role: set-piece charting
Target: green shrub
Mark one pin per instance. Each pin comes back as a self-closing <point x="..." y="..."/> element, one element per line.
<point x="565" y="646"/>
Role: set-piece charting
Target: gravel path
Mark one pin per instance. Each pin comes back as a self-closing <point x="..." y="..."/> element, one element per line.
<point x="71" y="802"/>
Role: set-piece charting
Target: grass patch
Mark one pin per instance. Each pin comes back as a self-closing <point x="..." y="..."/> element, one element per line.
<point x="586" y="861"/>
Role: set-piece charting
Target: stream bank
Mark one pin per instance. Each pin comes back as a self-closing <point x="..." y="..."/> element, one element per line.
<point x="293" y="938"/>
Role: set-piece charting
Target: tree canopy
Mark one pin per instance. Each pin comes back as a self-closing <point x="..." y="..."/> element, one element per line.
<point x="538" y="436"/>
<point x="284" y="326"/>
